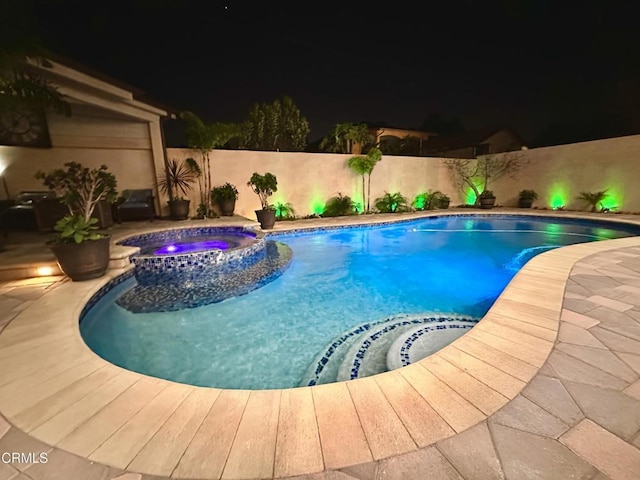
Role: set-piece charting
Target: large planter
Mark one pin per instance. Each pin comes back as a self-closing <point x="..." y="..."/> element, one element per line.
<point x="267" y="218"/>
<point x="179" y="209"/>
<point x="487" y="202"/>
<point x="525" y="202"/>
<point x="83" y="261"/>
<point x="226" y="206"/>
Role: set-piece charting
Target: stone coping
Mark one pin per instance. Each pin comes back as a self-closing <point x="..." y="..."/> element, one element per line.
<point x="53" y="387"/>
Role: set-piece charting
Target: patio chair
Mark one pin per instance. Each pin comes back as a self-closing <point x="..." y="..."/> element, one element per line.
<point x="21" y="214"/>
<point x="135" y="205"/>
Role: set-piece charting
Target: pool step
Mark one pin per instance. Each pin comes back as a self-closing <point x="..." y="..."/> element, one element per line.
<point x="419" y="342"/>
<point x="363" y="350"/>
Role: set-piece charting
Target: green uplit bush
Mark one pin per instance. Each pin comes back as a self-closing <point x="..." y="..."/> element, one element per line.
<point x="391" y="203"/>
<point x="339" y="206"/>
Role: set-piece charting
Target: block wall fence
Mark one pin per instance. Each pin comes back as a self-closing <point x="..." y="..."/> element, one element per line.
<point x="307" y="180"/>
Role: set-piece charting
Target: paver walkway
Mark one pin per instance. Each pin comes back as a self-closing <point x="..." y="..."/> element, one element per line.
<point x="579" y="417"/>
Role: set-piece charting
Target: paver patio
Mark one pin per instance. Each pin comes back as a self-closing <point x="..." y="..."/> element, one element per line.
<point x="546" y="386"/>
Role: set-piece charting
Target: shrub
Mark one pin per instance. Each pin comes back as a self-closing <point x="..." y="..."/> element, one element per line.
<point x="391" y="203"/>
<point x="224" y="192"/>
<point x="284" y="211"/>
<point x="593" y="198"/>
<point x="528" y="194"/>
<point x="339" y="205"/>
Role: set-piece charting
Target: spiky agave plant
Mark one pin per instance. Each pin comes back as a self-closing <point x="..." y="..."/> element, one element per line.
<point x="593" y="198"/>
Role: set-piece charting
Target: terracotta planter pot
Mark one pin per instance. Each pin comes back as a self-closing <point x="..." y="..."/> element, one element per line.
<point x="267" y="218"/>
<point x="83" y="261"/>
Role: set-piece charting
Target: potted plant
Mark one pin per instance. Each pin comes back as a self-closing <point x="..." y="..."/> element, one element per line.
<point x="82" y="252"/>
<point x="441" y="200"/>
<point x="526" y="198"/>
<point x="225" y="197"/>
<point x="264" y="186"/>
<point x="487" y="199"/>
<point x="178" y="178"/>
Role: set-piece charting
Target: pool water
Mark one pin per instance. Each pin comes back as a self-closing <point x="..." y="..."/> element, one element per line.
<point x="338" y="279"/>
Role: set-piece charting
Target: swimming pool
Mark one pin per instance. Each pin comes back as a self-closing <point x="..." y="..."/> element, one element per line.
<point x="356" y="279"/>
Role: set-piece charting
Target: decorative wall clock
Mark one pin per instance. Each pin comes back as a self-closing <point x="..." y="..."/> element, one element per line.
<point x="24" y="128"/>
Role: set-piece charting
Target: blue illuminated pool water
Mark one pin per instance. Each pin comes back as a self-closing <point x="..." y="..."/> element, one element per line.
<point x="337" y="279"/>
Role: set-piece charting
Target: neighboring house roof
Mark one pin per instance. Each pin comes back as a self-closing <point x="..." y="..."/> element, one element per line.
<point x="471" y="138"/>
<point x="400" y="132"/>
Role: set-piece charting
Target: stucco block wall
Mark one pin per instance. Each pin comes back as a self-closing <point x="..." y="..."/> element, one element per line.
<point x="308" y="180"/>
<point x="562" y="172"/>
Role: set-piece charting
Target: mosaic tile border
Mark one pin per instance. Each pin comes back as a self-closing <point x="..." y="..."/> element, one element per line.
<point x="171" y="291"/>
<point x="324" y="358"/>
<point x="106" y="288"/>
<point x="180" y="233"/>
<point x="411" y="340"/>
<point x="568" y="219"/>
<point x="149" y="266"/>
<point x="369" y="342"/>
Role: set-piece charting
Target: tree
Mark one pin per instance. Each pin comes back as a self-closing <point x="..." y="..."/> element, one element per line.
<point x="364" y="165"/>
<point x="20" y="88"/>
<point x="278" y="126"/>
<point x="476" y="173"/>
<point x="345" y="136"/>
<point x="204" y="138"/>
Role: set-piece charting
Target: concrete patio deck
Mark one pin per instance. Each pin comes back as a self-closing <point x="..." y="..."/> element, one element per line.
<point x="545" y="386"/>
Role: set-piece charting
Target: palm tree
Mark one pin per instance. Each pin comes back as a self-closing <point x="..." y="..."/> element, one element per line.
<point x="364" y="165"/>
<point x="344" y="136"/>
<point x="593" y="198"/>
<point x="204" y="138"/>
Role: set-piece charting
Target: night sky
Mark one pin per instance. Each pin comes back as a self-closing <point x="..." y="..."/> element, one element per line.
<point x="555" y="74"/>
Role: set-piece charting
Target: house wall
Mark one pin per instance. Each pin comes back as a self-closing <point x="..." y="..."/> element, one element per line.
<point x="503" y="141"/>
<point x="308" y="180"/>
<point x="90" y="137"/>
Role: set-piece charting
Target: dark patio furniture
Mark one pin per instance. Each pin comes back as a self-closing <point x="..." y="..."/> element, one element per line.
<point x="135" y="205"/>
<point x="21" y="215"/>
<point x="42" y="210"/>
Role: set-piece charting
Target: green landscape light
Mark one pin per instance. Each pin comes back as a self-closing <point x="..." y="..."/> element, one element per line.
<point x="317" y="205"/>
<point x="358" y="200"/>
<point x="613" y="199"/>
<point x="471" y="197"/>
<point x="420" y="202"/>
<point x="558" y="196"/>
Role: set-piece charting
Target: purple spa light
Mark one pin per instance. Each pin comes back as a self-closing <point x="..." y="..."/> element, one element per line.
<point x="191" y="247"/>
